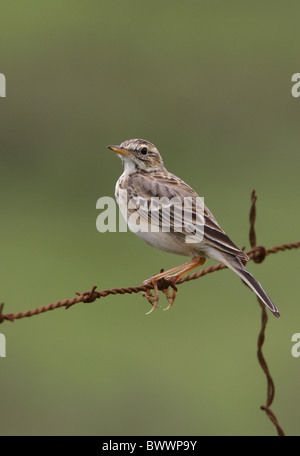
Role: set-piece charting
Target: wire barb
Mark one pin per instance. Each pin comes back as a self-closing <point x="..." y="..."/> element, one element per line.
<point x="252" y="217"/>
<point x="1" y="312"/>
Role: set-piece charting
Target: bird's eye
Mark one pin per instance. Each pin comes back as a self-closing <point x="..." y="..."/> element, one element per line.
<point x="144" y="150"/>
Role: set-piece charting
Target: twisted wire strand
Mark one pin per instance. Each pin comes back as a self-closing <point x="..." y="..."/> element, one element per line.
<point x="93" y="295"/>
<point x="258" y="255"/>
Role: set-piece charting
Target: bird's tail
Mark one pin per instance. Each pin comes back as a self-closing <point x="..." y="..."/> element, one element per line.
<point x="235" y="265"/>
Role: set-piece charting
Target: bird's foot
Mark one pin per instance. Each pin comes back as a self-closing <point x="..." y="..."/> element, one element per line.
<point x="166" y="279"/>
<point x="162" y="284"/>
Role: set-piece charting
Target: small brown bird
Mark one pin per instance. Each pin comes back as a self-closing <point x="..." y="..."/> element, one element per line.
<point x="146" y="179"/>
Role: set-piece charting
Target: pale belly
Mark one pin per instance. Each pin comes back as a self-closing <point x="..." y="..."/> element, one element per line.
<point x="168" y="242"/>
<point x="165" y="241"/>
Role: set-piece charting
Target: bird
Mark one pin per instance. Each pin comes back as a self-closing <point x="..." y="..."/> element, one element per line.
<point x="146" y="192"/>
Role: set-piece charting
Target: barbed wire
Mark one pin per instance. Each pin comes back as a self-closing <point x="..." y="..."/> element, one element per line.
<point x="264" y="321"/>
<point x="256" y="254"/>
<point x="92" y="295"/>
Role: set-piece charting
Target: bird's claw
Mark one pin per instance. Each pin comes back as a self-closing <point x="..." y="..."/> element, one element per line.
<point x="153" y="300"/>
<point x="170" y="297"/>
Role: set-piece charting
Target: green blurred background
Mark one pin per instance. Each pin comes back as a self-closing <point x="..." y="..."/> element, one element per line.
<point x="210" y="84"/>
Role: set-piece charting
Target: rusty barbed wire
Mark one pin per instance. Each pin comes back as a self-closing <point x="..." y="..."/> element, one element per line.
<point x="259" y="256"/>
<point x="92" y="295"/>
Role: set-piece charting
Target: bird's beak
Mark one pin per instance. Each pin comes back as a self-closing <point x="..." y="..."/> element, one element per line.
<point x="120" y="150"/>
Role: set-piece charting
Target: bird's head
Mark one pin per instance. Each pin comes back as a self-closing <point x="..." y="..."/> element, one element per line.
<point x="138" y="154"/>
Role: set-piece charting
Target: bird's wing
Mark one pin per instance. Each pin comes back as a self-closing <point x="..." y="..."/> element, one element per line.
<point x="216" y="237"/>
<point x="164" y="198"/>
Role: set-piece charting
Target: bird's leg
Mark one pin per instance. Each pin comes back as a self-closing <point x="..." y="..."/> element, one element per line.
<point x="197" y="261"/>
<point x="184" y="266"/>
<point x="180" y="270"/>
